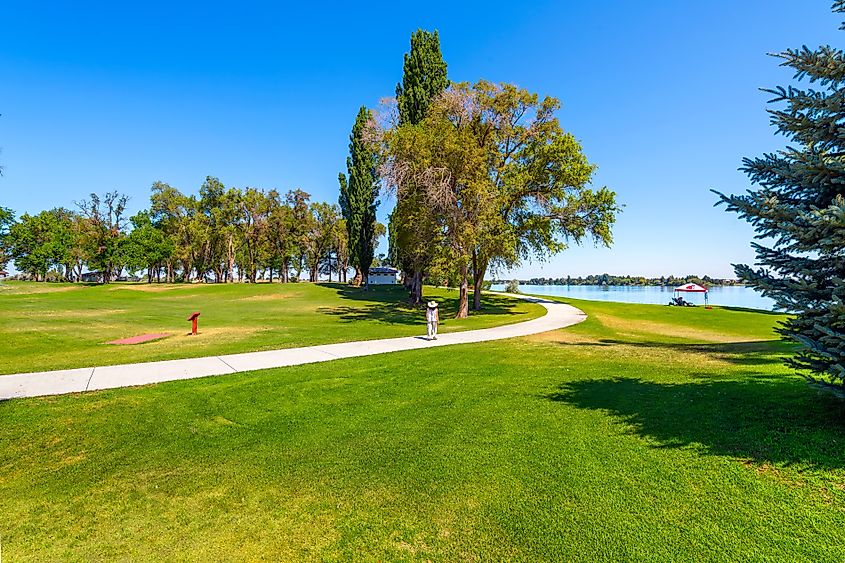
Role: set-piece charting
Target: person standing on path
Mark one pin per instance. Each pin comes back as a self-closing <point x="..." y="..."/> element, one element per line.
<point x="432" y="317"/>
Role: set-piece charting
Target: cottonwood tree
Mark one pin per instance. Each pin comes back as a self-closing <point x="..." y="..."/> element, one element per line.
<point x="441" y="160"/>
<point x="169" y="210"/>
<point x="358" y="197"/>
<point x="106" y="223"/>
<point x="254" y="210"/>
<point x="798" y="212"/>
<point x="280" y="235"/>
<point x="539" y="180"/>
<point x="147" y="247"/>
<point x="41" y="243"/>
<point x="302" y="220"/>
<point x="493" y="178"/>
<point x="321" y="236"/>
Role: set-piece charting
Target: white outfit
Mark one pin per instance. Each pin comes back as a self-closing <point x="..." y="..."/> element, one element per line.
<point x="431" y="319"/>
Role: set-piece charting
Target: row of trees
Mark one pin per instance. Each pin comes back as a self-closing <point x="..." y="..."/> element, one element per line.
<point x="483" y="174"/>
<point x="222" y="235"/>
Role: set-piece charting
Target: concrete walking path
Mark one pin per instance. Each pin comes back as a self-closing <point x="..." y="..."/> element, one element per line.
<point x="558" y="315"/>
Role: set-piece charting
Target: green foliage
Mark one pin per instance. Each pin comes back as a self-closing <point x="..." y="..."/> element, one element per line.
<point x="147" y="247"/>
<point x="423" y="77"/>
<point x="413" y="233"/>
<point x="7" y="219"/>
<point x="492" y="179"/>
<point x="358" y="195"/>
<point x="512" y="286"/>
<point x="39" y="243"/>
<point x="104" y="233"/>
<point x="221" y="234"/>
<point x="799" y="206"/>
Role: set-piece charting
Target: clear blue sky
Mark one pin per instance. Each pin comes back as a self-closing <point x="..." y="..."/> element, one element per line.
<point x="663" y="95"/>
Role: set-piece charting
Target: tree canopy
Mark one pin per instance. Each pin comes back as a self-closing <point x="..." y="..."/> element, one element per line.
<point x="223" y="234"/>
<point x="494" y="174"/>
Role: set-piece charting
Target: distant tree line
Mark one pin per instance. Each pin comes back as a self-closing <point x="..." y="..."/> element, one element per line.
<point x="220" y="235"/>
<point x="607" y="279"/>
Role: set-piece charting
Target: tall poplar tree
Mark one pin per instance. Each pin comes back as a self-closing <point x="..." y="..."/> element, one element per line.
<point x="358" y="197"/>
<point x="798" y="209"/>
<point x="423" y="79"/>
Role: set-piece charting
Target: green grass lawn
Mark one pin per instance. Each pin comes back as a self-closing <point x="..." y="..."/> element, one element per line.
<point x="645" y="433"/>
<point x="59" y="326"/>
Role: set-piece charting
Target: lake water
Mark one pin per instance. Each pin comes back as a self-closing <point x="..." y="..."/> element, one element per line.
<point x="728" y="296"/>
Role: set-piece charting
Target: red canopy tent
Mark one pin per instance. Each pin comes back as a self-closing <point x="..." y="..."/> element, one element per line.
<point x="692" y="288"/>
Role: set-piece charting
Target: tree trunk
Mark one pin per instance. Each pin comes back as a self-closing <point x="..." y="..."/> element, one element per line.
<point x="463" y="301"/>
<point x="230" y="258"/>
<point x="478" y="271"/>
<point x="416" y="288"/>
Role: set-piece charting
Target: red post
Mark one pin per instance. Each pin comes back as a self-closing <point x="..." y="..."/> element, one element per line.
<point x="193" y="319"/>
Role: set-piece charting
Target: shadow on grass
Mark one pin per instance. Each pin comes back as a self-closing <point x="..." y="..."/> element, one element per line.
<point x="753" y="353"/>
<point x="763" y="419"/>
<point x="388" y="304"/>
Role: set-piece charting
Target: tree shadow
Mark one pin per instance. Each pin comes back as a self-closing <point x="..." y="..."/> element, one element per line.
<point x="764" y="419"/>
<point x="388" y="304"/>
<point x="751" y="353"/>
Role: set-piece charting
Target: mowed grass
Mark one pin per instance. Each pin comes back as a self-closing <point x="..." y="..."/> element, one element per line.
<point x="59" y="326"/>
<point x="645" y="433"/>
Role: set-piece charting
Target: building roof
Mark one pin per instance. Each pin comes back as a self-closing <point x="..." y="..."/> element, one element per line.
<point x="383" y="270"/>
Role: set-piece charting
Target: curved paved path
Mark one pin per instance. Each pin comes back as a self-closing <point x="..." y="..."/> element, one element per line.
<point x="558" y="315"/>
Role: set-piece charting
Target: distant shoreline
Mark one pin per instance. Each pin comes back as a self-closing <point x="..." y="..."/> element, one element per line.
<point x="629" y="281"/>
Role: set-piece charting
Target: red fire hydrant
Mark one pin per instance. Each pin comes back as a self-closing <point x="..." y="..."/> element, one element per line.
<point x="193" y="319"/>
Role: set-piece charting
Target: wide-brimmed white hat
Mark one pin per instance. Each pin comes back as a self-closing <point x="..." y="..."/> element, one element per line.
<point x="432" y="304"/>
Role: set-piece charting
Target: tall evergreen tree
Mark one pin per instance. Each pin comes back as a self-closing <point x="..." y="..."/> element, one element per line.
<point x="358" y="195"/>
<point x="423" y="79"/>
<point x="799" y="205"/>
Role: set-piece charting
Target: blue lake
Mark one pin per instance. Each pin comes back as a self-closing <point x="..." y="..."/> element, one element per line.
<point x="727" y="296"/>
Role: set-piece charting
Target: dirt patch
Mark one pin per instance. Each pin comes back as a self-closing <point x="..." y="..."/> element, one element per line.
<point x="222" y="332"/>
<point x="268" y="297"/>
<point x="140" y="339"/>
<point x="148" y="288"/>
<point x="31" y="289"/>
<point x="72" y="459"/>
<point x="88" y="313"/>
<point x="559" y="336"/>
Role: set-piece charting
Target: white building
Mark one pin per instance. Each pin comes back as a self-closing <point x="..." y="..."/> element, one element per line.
<point x="383" y="276"/>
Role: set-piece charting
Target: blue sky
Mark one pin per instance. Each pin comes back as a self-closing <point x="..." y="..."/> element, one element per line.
<point x="664" y="97"/>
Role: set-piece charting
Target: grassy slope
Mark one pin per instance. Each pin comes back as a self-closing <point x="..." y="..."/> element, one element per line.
<point x="58" y="326"/>
<point x="645" y="433"/>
